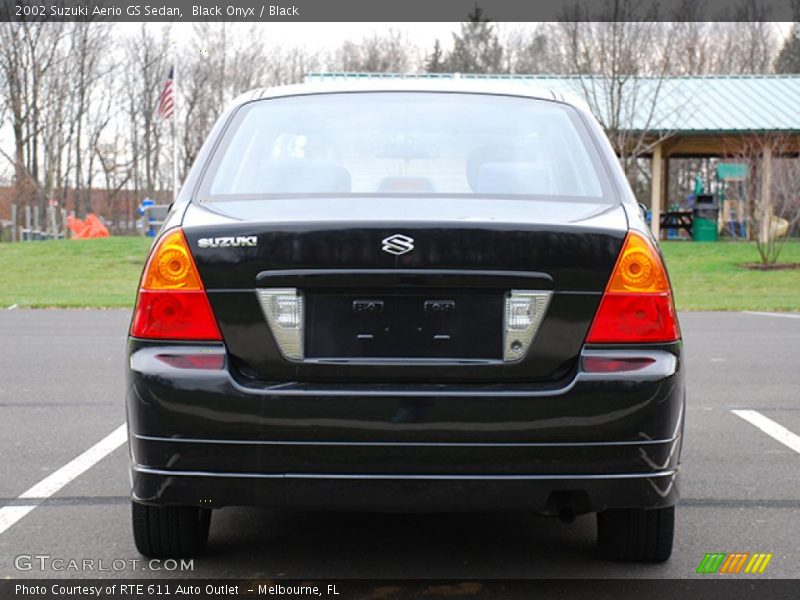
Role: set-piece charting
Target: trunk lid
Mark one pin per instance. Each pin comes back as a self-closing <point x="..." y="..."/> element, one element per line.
<point x="467" y="255"/>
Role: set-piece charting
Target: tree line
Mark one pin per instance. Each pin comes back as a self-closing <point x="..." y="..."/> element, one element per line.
<point x="78" y="100"/>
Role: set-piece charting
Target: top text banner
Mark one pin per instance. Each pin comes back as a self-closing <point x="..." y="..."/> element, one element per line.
<point x="397" y="10"/>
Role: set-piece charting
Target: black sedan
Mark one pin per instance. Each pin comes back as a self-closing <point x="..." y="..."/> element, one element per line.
<point x="406" y="296"/>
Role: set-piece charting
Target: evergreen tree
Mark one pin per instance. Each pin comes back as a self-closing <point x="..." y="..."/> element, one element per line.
<point x="788" y="60"/>
<point x="435" y="62"/>
<point x="476" y="49"/>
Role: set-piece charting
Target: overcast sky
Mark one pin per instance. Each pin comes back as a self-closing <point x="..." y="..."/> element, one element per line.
<point x="314" y="37"/>
<point x="320" y="36"/>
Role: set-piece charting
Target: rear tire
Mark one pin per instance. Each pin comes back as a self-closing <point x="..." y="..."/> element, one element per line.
<point x="170" y="531"/>
<point x="636" y="535"/>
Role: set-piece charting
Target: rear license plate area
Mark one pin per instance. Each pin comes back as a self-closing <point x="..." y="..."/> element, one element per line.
<point x="435" y="325"/>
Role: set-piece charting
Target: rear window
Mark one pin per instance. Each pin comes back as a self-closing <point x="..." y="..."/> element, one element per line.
<point x="398" y="143"/>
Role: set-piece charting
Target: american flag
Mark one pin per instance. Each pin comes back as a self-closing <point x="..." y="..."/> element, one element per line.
<point x="166" y="101"/>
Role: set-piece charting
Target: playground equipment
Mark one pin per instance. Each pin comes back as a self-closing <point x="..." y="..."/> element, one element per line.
<point x="731" y="183"/>
<point x="731" y="188"/>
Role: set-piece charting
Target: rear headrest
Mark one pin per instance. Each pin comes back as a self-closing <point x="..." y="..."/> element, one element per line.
<point x="526" y="178"/>
<point x="482" y="155"/>
<point x="304" y="176"/>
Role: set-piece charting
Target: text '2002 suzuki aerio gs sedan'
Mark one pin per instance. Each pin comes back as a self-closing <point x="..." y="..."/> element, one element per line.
<point x="420" y="295"/>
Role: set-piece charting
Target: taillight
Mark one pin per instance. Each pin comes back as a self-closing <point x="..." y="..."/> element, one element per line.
<point x="637" y="305"/>
<point x="172" y="303"/>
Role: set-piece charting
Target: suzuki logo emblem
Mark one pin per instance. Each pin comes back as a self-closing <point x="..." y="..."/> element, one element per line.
<point x="397" y="244"/>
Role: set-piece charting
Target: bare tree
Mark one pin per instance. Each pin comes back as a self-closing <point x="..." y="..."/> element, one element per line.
<point x="390" y="52"/>
<point x="202" y="87"/>
<point x="53" y="73"/>
<point x="88" y="52"/>
<point x="531" y="50"/>
<point x="116" y="169"/>
<point x="28" y="56"/>
<point x="621" y="66"/>
<point x="773" y="189"/>
<point x="57" y="137"/>
<point x="146" y="58"/>
<point x="755" y="48"/>
<point x="720" y="48"/>
<point x="285" y="65"/>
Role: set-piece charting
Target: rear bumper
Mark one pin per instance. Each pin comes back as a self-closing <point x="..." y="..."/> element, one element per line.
<point x="543" y="494"/>
<point x="202" y="437"/>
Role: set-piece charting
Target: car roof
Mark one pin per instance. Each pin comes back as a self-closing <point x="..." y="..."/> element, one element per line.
<point x="409" y="84"/>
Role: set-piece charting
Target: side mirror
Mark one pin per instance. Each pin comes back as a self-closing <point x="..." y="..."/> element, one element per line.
<point x="643" y="210"/>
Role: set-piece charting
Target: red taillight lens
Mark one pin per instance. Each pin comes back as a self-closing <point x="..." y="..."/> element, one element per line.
<point x="637" y="305"/>
<point x="634" y="318"/>
<point x="174" y="315"/>
<point x="172" y="303"/>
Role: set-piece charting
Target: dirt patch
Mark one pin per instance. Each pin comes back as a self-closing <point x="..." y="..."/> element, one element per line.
<point x="772" y="267"/>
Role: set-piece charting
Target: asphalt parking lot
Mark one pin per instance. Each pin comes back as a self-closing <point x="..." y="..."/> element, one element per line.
<point x="61" y="392"/>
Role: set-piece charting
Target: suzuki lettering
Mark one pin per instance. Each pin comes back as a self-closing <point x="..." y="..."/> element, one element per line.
<point x="228" y="242"/>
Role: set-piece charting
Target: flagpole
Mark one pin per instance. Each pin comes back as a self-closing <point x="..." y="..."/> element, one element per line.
<point x="175" y="182"/>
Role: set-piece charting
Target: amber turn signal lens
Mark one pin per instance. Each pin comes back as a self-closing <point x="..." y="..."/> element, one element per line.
<point x="171" y="266"/>
<point x="639" y="268"/>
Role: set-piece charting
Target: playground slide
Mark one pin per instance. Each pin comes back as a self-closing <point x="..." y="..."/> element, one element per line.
<point x="779" y="227"/>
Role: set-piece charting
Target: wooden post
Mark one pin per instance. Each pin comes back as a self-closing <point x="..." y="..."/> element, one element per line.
<point x="13" y="222"/>
<point x="751" y="206"/>
<point x="53" y="227"/>
<point x="765" y="208"/>
<point x="656" y="189"/>
<point x="665" y="206"/>
<point x="27" y="223"/>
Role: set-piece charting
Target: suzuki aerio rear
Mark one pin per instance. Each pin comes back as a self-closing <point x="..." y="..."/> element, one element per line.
<point x="408" y="299"/>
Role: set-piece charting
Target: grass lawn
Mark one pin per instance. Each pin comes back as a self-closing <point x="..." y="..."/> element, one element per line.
<point x="707" y="276"/>
<point x="72" y="273"/>
<point x="105" y="272"/>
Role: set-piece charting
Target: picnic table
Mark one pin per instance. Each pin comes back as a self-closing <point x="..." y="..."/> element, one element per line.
<point x="677" y="219"/>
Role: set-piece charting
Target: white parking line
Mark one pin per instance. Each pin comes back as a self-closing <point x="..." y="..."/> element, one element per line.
<point x="771" y="314"/>
<point x="771" y="428"/>
<point x="55" y="481"/>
